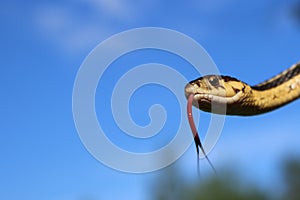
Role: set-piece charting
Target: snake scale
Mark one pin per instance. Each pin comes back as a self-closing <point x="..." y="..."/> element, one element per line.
<point x="230" y="96"/>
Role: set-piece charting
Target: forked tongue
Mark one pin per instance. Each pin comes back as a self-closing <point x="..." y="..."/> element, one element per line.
<point x="195" y="132"/>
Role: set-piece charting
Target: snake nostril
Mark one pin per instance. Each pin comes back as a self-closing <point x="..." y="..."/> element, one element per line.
<point x="189" y="89"/>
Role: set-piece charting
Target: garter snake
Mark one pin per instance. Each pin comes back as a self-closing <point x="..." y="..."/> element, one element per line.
<point x="241" y="98"/>
<point x="212" y="93"/>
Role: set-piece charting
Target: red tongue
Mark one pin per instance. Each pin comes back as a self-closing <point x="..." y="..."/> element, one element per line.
<point x="195" y="132"/>
<point x="190" y="115"/>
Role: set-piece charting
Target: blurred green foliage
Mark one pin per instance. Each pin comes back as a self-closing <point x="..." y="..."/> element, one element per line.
<point x="226" y="186"/>
<point x="292" y="179"/>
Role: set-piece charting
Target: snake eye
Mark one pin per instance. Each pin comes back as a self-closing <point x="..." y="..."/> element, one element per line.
<point x="214" y="81"/>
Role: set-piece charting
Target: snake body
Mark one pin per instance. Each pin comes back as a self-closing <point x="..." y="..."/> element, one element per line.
<point x="230" y="96"/>
<point x="212" y="92"/>
<point x="227" y="95"/>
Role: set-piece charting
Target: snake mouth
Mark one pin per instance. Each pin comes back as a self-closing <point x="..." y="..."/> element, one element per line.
<point x="203" y="96"/>
<point x="205" y="99"/>
<point x="210" y="103"/>
<point x="210" y="98"/>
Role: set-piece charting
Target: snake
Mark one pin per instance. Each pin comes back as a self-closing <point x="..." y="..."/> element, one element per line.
<point x="226" y="95"/>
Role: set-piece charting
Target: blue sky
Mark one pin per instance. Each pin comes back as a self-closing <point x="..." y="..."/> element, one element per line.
<point x="43" y="45"/>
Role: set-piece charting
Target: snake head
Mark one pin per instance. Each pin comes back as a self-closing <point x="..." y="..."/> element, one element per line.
<point x="213" y="93"/>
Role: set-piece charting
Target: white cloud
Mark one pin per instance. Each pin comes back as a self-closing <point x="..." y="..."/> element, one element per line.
<point x="81" y="26"/>
<point x="213" y="6"/>
<point x="119" y="9"/>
